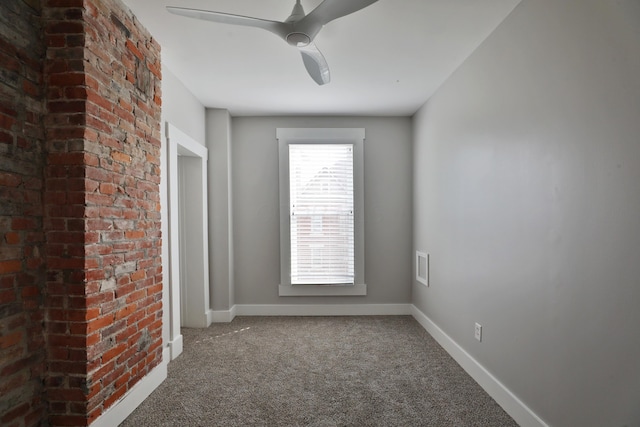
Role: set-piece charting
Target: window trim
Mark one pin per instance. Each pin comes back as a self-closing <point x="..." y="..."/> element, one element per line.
<point x="355" y="136"/>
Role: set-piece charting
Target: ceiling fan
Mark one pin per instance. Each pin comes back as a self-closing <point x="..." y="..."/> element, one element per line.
<point x="299" y="29"/>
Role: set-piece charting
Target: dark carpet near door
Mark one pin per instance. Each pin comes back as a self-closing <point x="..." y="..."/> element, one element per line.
<point x="316" y="371"/>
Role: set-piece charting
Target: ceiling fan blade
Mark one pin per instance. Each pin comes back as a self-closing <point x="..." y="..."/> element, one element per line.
<point x="279" y="28"/>
<point x="329" y="10"/>
<point x="315" y="64"/>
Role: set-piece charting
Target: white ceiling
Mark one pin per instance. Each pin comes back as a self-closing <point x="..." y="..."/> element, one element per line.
<point x="385" y="60"/>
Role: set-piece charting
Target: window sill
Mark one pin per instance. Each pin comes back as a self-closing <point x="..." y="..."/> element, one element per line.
<point x="322" y="290"/>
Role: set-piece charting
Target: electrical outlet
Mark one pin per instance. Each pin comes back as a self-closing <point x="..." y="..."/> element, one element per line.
<point x="478" y="332"/>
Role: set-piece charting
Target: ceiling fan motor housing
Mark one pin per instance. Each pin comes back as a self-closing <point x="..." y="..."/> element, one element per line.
<point x="298" y="39"/>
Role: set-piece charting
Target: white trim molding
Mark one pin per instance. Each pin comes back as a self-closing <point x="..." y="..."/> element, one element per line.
<point x="355" y="136"/>
<point x="520" y="412"/>
<point x="175" y="347"/>
<point x="117" y="413"/>
<point x="223" y="316"/>
<point x="188" y="245"/>
<point x="359" y="289"/>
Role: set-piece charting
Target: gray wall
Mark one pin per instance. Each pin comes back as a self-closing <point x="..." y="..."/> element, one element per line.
<point x="527" y="196"/>
<point x="387" y="168"/>
<point x="181" y="108"/>
<point x="220" y="189"/>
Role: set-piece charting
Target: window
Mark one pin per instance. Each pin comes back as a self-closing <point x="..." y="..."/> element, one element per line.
<point x="321" y="212"/>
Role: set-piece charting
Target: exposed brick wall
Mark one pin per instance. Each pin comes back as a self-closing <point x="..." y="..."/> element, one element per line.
<point x="102" y="212"/>
<point x="22" y="275"/>
<point x="64" y="198"/>
<point x="80" y="268"/>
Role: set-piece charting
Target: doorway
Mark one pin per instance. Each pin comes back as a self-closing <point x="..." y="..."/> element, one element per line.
<point x="188" y="236"/>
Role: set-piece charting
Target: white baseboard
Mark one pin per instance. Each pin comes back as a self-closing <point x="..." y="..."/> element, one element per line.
<point x="166" y="353"/>
<point x="200" y="320"/>
<point x="117" y="413"/>
<point x="175" y="347"/>
<point x="323" y="309"/>
<point x="520" y="412"/>
<point x="223" y="316"/>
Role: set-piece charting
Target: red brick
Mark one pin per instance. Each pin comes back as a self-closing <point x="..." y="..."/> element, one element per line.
<point x="108" y="188"/>
<point x="11" y="339"/>
<point x="65" y="263"/>
<point x="154" y="308"/>
<point x="66" y="133"/>
<point x="134" y="234"/>
<point x="115" y="396"/>
<point x="30" y="291"/>
<point x="30" y="88"/>
<point x="97" y="174"/>
<point x="99" y="323"/>
<point x="67" y="158"/>
<point x="99" y="199"/>
<point x="98" y="299"/>
<point x="126" y="311"/>
<point x="126" y="333"/>
<point x="121" y="157"/>
<point x="155" y="289"/>
<point x="96" y="123"/>
<point x="7" y="296"/>
<point x="145" y="322"/>
<point x="93" y="339"/>
<point x="9" y="179"/>
<point x="18" y="223"/>
<point x="6" y="122"/>
<point x="155" y="69"/>
<point x="114" y="352"/>
<point x="134" y="49"/>
<point x="11" y="266"/>
<point x="102" y="371"/>
<point x="65" y="27"/>
<point x="19" y="411"/>
<point x="70" y="341"/>
<point x="138" y="275"/>
<point x="99" y="100"/>
<point x="67" y="107"/>
<point x="68" y="420"/>
<point x="94" y="414"/>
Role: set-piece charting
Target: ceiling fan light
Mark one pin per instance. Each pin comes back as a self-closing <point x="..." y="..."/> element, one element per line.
<point x="298" y="39"/>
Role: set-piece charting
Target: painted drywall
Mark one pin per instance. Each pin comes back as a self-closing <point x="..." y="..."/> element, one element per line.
<point x="387" y="194"/>
<point x="181" y="108"/>
<point x="218" y="132"/>
<point x="526" y="195"/>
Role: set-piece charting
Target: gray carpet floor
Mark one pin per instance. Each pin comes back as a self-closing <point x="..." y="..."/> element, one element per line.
<point x="316" y="371"/>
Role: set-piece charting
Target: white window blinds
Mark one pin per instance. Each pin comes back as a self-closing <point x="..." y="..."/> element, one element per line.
<point x="321" y="214"/>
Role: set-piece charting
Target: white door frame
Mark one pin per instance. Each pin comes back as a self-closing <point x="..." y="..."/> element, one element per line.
<point x="189" y="273"/>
